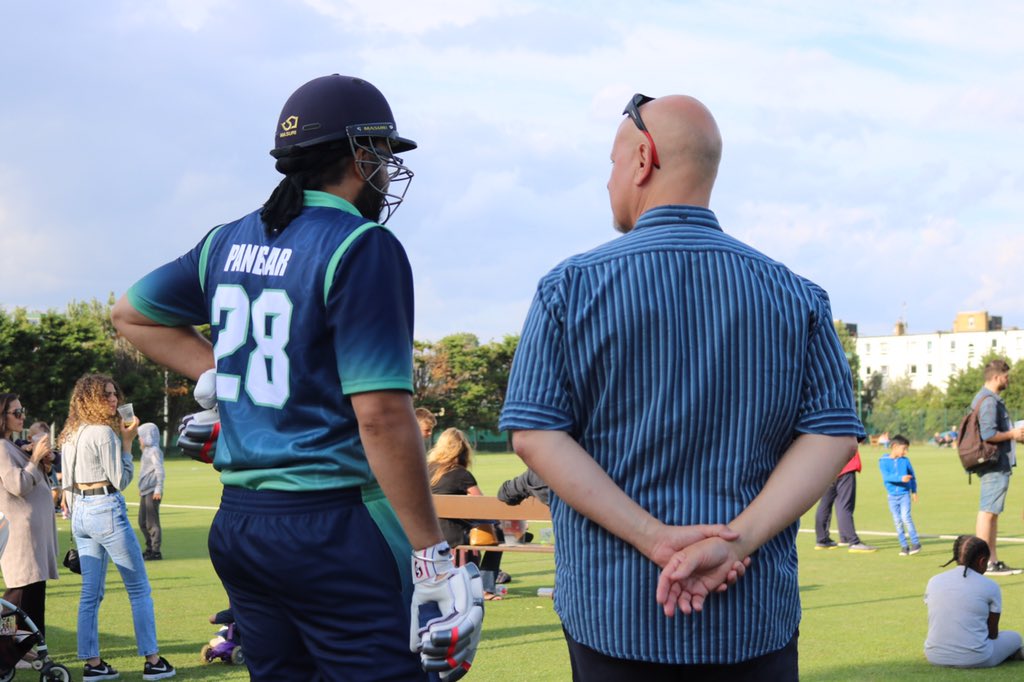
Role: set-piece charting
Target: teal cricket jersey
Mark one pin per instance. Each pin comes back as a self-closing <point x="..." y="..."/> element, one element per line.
<point x="299" y="321"/>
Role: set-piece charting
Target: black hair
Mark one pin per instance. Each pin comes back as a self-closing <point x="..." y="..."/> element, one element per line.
<point x="899" y="440"/>
<point x="956" y="549"/>
<point x="310" y="168"/>
<point x="967" y="550"/>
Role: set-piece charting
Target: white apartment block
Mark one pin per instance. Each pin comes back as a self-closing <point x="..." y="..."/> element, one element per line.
<point x="932" y="358"/>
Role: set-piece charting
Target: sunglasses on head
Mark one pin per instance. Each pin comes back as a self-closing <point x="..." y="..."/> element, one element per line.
<point x="20" y="412"/>
<point x="633" y="111"/>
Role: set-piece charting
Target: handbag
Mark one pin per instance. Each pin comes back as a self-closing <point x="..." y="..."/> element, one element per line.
<point x="72" y="561"/>
<point x="483" y="535"/>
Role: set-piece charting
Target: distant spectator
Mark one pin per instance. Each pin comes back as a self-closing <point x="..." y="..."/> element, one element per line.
<point x="151" y="490"/>
<point x="427" y="421"/>
<point x="996" y="427"/>
<point x="963" y="613"/>
<point x="31" y="555"/>
<point x="448" y="465"/>
<point x="526" y="484"/>
<point x="901" y="484"/>
<point x="842" y="493"/>
<point x="97" y="467"/>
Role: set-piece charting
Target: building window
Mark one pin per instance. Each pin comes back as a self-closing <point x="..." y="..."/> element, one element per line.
<point x="885" y="370"/>
<point x="867" y="370"/>
<point x="883" y="348"/>
<point x="970" y="351"/>
<point x="913" y="369"/>
<point x="867" y="347"/>
<point x="929" y="346"/>
<point x="993" y="343"/>
<point x="952" y="345"/>
<point x="952" y="368"/>
<point x="929" y="370"/>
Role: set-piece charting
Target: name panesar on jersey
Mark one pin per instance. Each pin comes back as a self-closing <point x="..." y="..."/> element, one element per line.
<point x="257" y="259"/>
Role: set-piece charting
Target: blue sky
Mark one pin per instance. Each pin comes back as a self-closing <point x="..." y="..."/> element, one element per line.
<point x="875" y="148"/>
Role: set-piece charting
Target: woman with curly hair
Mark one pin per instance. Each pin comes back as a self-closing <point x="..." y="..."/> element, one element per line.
<point x="97" y="452"/>
<point x="448" y="464"/>
<point x="963" y="612"/>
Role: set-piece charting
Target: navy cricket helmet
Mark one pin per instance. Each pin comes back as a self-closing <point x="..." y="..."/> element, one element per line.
<point x="332" y="108"/>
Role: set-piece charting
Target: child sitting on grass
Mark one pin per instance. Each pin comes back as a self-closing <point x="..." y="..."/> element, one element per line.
<point x="963" y="613"/>
<point x="901" y="484"/>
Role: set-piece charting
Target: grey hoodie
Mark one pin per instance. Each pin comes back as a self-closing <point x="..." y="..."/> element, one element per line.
<point x="151" y="468"/>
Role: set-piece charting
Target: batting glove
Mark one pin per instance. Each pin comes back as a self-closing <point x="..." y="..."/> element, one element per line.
<point x="447" y="612"/>
<point x="206" y="389"/>
<point x="197" y="435"/>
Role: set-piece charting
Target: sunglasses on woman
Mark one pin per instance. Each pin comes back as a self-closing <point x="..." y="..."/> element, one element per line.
<point x="19" y="413"/>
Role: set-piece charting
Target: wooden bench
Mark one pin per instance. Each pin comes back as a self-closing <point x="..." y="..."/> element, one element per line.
<point x="493" y="509"/>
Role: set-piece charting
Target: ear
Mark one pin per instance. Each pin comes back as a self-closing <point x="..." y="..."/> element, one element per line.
<point x="644" y="165"/>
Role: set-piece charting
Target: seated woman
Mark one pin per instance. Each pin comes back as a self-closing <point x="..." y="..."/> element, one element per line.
<point x="448" y="465"/>
<point x="963" y="613"/>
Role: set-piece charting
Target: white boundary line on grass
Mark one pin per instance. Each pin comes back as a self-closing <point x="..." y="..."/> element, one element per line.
<point x="177" y="506"/>
<point x="876" y="533"/>
<point x="892" y="534"/>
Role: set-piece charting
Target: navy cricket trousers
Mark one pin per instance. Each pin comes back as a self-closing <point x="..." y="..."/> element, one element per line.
<point x="315" y="586"/>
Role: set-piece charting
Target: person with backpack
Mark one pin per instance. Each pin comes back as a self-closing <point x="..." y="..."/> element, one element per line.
<point x="995" y="427"/>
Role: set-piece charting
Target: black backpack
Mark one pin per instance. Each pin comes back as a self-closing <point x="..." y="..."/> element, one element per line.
<point x="975" y="454"/>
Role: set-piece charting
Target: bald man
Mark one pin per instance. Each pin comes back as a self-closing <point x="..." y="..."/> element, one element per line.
<point x="667" y="383"/>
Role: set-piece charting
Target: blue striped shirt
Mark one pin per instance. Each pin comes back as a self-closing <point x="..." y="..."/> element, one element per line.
<point x="685" y="362"/>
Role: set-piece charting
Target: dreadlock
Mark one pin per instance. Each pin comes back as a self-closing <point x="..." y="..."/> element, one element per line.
<point x="971" y="549"/>
<point x="310" y="168"/>
<point x="956" y="549"/>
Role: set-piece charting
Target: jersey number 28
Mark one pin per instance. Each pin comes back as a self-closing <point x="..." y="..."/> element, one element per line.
<point x="266" y="375"/>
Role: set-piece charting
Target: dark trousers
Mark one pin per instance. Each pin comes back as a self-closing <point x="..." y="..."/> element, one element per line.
<point x="592" y="666"/>
<point x="843" y="493"/>
<point x="32" y="600"/>
<point x="149" y="522"/>
<point x="314" y="585"/>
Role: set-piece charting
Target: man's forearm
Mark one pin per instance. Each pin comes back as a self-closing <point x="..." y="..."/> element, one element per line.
<point x="181" y="349"/>
<point x="394" y="450"/>
<point x="581" y="483"/>
<point x="806" y="469"/>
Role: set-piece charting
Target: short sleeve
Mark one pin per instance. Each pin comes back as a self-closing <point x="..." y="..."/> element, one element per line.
<point x="988" y="418"/>
<point x="370" y="315"/>
<point x="827" y="405"/>
<point x="172" y="295"/>
<point x="538" y="389"/>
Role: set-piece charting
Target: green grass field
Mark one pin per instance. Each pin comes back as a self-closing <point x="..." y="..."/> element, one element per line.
<point x="864" y="618"/>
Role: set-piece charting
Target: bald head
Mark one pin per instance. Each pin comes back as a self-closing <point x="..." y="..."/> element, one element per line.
<point x="689" y="148"/>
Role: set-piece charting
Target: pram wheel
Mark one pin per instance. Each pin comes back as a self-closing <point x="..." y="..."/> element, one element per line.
<point x="55" y="673"/>
<point x="204" y="655"/>
<point x="237" y="657"/>
<point x="7" y="676"/>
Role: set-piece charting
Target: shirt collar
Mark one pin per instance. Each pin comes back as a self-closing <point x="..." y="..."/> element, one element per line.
<point x="312" y="197"/>
<point x="673" y="215"/>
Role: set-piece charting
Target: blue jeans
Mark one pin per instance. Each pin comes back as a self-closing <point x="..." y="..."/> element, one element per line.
<point x="100" y="527"/>
<point x="899" y="505"/>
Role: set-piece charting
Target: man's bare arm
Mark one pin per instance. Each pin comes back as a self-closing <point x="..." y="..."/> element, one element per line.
<point x="580" y="482"/>
<point x="181" y="349"/>
<point x="394" y="449"/>
<point x="803" y="473"/>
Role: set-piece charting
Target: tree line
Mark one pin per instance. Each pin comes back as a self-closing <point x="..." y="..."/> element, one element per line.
<point x="43" y="354"/>
<point x="458" y="378"/>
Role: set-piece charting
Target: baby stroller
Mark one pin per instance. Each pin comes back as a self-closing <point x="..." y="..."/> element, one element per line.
<point x="226" y="645"/>
<point x="14" y="644"/>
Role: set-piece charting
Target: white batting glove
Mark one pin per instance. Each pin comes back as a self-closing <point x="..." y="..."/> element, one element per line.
<point x="447" y="612"/>
<point x="206" y="389"/>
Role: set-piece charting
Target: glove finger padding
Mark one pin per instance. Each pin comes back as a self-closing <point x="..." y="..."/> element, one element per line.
<point x="198" y="433"/>
<point x="450" y="613"/>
